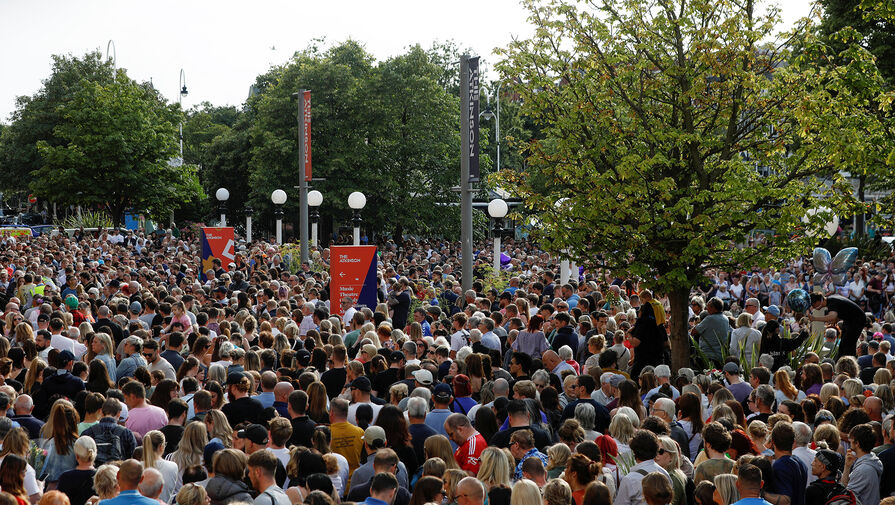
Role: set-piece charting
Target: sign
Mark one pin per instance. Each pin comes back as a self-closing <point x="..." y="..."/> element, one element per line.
<point x="16" y="232"/>
<point x="306" y="117"/>
<point x="32" y="199"/>
<point x="473" y="119"/>
<point x="217" y="243"/>
<point x="352" y="272"/>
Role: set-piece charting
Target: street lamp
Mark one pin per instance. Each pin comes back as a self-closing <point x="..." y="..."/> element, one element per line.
<point x="249" y="213"/>
<point x="315" y="199"/>
<point x="278" y="197"/>
<point x="497" y="209"/>
<point x="356" y="201"/>
<point x="113" y="57"/>
<point x="565" y="267"/>
<point x="223" y="195"/>
<point x="183" y="92"/>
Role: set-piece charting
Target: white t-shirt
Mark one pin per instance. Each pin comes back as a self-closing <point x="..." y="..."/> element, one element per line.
<point x="352" y="412"/>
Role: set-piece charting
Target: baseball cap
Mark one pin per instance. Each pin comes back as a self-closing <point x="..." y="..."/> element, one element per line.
<point x="303" y="356"/>
<point x="254" y="432"/>
<point x="732" y="368"/>
<point x="396" y="356"/>
<point x="773" y="310"/>
<point x="424" y="377"/>
<point x="374" y="433"/>
<point x="234" y="378"/>
<point x="71" y="301"/>
<point x="831" y="460"/>
<point x="136" y="308"/>
<point x="65" y="356"/>
<point x="208" y="453"/>
<point x="362" y="383"/>
<point x="443" y="391"/>
<point x="43" y="318"/>
<point x="616" y="380"/>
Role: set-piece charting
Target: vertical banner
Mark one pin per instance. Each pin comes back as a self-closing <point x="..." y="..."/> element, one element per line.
<point x="217" y="243"/>
<point x="352" y="273"/>
<point x="474" y="119"/>
<point x="306" y="118"/>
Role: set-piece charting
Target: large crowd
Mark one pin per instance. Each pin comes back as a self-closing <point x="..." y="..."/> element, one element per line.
<point x="133" y="373"/>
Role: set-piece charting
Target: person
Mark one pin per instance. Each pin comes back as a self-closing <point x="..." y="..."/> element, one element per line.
<point x="518" y="418"/>
<point x="469" y="492"/>
<point x="241" y="406"/>
<point x="141" y="416"/>
<point x="347" y="439"/>
<point x="656" y="489"/>
<point x="848" y="314"/>
<point x="580" y="472"/>
<point x="383" y="488"/>
<point x="525" y="492"/>
<point x="384" y="461"/>
<point x="644" y="446"/>
<point x="791" y="474"/>
<point x="151" y="484"/>
<point x="153" y="451"/>
<point x="557" y="492"/>
<point x="522" y="445"/>
<point x="429" y="489"/>
<point x="191" y="494"/>
<point x="863" y="469"/>
<point x="419" y="432"/>
<point x="716" y="440"/>
<point x="713" y="331"/>
<point x="374" y="440"/>
<point x="669" y="458"/>
<point x="62" y="431"/>
<point x="749" y="486"/>
<point x="827" y="469"/>
<point x="262" y="467"/>
<point x="77" y="483"/>
<point x="129" y="475"/>
<point x="777" y="347"/>
<point x="469" y="441"/>
<point x="113" y="441"/>
<point x="17" y="442"/>
<point x="227" y="485"/>
<point x="12" y="477"/>
<point x="649" y="337"/>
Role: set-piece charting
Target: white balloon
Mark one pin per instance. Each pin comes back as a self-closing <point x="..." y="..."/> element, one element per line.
<point x="830" y="228"/>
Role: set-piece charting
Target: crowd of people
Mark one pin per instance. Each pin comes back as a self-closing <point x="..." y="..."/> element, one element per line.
<point x="133" y="373"/>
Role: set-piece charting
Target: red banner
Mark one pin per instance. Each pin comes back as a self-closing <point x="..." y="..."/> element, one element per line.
<point x="217" y="243"/>
<point x="352" y="271"/>
<point x="306" y="117"/>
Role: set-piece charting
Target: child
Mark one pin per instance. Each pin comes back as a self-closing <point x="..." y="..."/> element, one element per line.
<point x="656" y="489"/>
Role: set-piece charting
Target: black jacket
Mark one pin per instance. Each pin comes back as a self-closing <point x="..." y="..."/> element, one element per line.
<point x="63" y="383"/>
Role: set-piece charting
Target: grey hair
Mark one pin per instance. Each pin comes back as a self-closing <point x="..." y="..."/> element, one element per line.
<point x="586" y="415"/>
<point x="802" y="432"/>
<point x="541" y="374"/>
<point x="666" y="405"/>
<point x="500" y="386"/>
<point x="151" y="484"/>
<point x="423" y="393"/>
<point x="417" y="407"/>
<point x="565" y="353"/>
<point x="766" y="360"/>
<point x="135" y="341"/>
<point x="765" y="393"/>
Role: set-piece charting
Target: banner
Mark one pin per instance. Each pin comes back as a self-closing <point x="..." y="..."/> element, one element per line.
<point x="217" y="243"/>
<point x="306" y="117"/>
<point x="474" y="119"/>
<point x="352" y="272"/>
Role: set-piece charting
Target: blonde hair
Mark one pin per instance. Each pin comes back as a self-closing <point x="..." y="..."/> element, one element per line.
<point x="671" y="449"/>
<point x="220" y="427"/>
<point x="494" y="470"/>
<point x="153" y="447"/>
<point x="829" y="434"/>
<point x="85" y="449"/>
<point x="882" y="376"/>
<point x="726" y="483"/>
<point x="621" y="429"/>
<point x="828" y="390"/>
<point x="557" y="492"/>
<point x="440" y="447"/>
<point x="852" y="387"/>
<point x="192" y="443"/>
<point x="558" y="456"/>
<point x="525" y="492"/>
<point x="105" y="481"/>
<point x="191" y="494"/>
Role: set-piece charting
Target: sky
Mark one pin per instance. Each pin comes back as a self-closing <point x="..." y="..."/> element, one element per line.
<point x="222" y="45"/>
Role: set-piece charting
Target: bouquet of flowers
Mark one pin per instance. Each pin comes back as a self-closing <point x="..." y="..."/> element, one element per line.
<point x="37" y="455"/>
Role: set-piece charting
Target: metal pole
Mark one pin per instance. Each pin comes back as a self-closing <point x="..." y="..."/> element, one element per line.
<point x="249" y="229"/>
<point x="314" y="233"/>
<point x="497" y="254"/>
<point x="303" y="183"/>
<point x="357" y="235"/>
<point x="223" y="219"/>
<point x="497" y="125"/>
<point x="279" y="231"/>
<point x="465" y="192"/>
<point x="573" y="271"/>
<point x="564" y="271"/>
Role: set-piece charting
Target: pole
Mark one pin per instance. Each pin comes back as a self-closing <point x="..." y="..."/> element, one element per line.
<point x="497" y="254"/>
<point x="573" y="271"/>
<point x="279" y="231"/>
<point x="357" y="235"/>
<point x="249" y="229"/>
<point x="465" y="192"/>
<point x="303" y="183"/>
<point x="314" y="233"/>
<point x="564" y="271"/>
<point x="497" y="126"/>
<point x="223" y="219"/>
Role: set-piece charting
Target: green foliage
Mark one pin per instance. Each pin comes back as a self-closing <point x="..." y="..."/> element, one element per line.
<point x="87" y="219"/>
<point x="867" y="247"/>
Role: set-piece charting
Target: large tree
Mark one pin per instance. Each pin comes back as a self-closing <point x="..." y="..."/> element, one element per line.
<point x="674" y="133"/>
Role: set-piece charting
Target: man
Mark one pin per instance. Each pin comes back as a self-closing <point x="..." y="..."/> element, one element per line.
<point x="383" y="380"/>
<point x="419" y="315"/>
<point x="887" y="457"/>
<point x="749" y="484"/>
<point x="155" y="361"/>
<point x="877" y="361"/>
<point x="59" y="341"/>
<point x="663" y="376"/>
<point x="850" y="316"/>
<point x="644" y="445"/>
<point x="360" y="395"/>
<point x="791" y="474"/>
<point x="460" y="337"/>
<point x="533" y="470"/>
<point x="348" y="310"/>
<point x="346" y="437"/>
<point x="716" y="440"/>
<point x="649" y="337"/>
<point x="113" y="441"/>
<point x="268" y="382"/>
<point x="753" y="307"/>
<point x="489" y="338"/>
<point x="335" y="376"/>
<point x="802" y="450"/>
<point x="399" y="303"/>
<point x="374" y="441"/>
<point x="106" y="325"/>
<point x="665" y="409"/>
<point x="141" y="417"/>
<point x="565" y="333"/>
<point x="385" y="461"/>
<point x="302" y="425"/>
<point x="520" y="366"/>
<point x="383" y="488"/>
<point x="63" y="382"/>
<point x="152" y="484"/>
<point x="416" y="413"/>
<point x="522" y="445"/>
<point x="554" y="364"/>
<point x="735" y="384"/>
<point x="172" y="350"/>
<point x="133" y="359"/>
<point x="863" y="469"/>
<point x="262" y="468"/>
<point x="173" y="431"/>
<point x="471" y="443"/>
<point x="201" y="403"/>
<point x="130" y="473"/>
<point x="23" y="407"/>
<point x="713" y="332"/>
<point x="470" y="492"/>
<point x="241" y="407"/>
<point x="583" y="387"/>
<point x="442" y="398"/>
<point x="826" y="470"/>
<point x="280" y="430"/>
<point x="763" y="399"/>
<point x="607" y="392"/>
<point x="281" y="394"/>
<point x="519" y="420"/>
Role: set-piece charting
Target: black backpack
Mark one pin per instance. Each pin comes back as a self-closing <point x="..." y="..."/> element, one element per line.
<point x="108" y="447"/>
<point x="840" y="495"/>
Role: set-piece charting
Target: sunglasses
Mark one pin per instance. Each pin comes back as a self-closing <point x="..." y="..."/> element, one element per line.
<point x="147" y="355"/>
<point x="661" y="451"/>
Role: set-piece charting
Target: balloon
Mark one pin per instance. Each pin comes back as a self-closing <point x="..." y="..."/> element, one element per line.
<point x="833" y="269"/>
<point x="504" y="259"/>
<point x="832" y="225"/>
<point x="822" y="260"/>
<point x="798" y="300"/>
<point x="844" y="260"/>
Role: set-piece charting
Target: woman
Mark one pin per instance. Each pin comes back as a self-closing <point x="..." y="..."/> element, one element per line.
<point x="192" y="494"/>
<point x="758" y="432"/>
<point x="463" y="400"/>
<point x="397" y="436"/>
<point x="783" y="388"/>
<point x="200" y="350"/>
<point x="669" y="458"/>
<point x="532" y="340"/>
<point x="690" y="418"/>
<point x="153" y="450"/>
<point x="525" y="492"/>
<point x="218" y="428"/>
<point x="494" y="473"/>
<point x="320" y="442"/>
<point x="629" y="396"/>
<point x="704" y="494"/>
<point x="227" y="485"/>
<point x="12" y="477"/>
<point x="98" y="380"/>
<point x="726" y="492"/>
<point x="558" y="492"/>
<point x="812" y="379"/>
<point x="557" y="459"/>
<point x="16" y="442"/>
<point x="439" y="446"/>
<point x="586" y="416"/>
<point x="105" y="352"/>
<point x="317" y="403"/>
<point x="61" y="431"/>
<point x="745" y="337"/>
<point x="581" y="471"/>
<point x="428" y="490"/>
<point x="189" y="368"/>
<point x="189" y="450"/>
<point x="452" y="476"/>
<point x="165" y="391"/>
<point x="475" y="372"/>
<point x="77" y="484"/>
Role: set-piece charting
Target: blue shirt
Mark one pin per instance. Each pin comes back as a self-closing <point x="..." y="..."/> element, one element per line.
<point x="266" y="398"/>
<point x="534" y="452"/>
<point x="752" y="501"/>
<point x="130" y="497"/>
<point x="791" y="478"/>
<point x="491" y="341"/>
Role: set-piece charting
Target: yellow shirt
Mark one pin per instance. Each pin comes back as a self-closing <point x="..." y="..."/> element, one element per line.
<point x="347" y="442"/>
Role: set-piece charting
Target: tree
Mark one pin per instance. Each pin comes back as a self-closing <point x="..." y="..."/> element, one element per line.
<point x="674" y="131"/>
<point x="116" y="141"/>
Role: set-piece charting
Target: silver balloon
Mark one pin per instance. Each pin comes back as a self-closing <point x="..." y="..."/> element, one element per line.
<point x="840" y="279"/>
<point x="822" y="260"/>
<point x="844" y="260"/>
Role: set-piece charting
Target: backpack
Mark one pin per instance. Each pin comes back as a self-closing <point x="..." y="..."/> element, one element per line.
<point x="108" y="447"/>
<point x="840" y="495"/>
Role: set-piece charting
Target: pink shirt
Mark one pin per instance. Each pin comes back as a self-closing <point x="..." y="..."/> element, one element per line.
<point x="185" y="321"/>
<point x="142" y="420"/>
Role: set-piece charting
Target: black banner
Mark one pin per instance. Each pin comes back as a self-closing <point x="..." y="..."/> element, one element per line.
<point x="474" y="120"/>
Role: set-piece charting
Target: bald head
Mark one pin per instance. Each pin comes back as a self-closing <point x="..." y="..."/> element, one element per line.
<point x="282" y="391"/>
<point x="151" y="484"/>
<point x="24" y="405"/>
<point x="129" y="475"/>
<point x="874" y="408"/>
<point x="472" y="488"/>
<point x="268" y="381"/>
<point x="550" y="360"/>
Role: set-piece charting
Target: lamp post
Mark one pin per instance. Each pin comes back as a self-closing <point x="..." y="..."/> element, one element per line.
<point x="249" y="213"/>
<point x="497" y="209"/>
<point x="222" y="194"/>
<point x="278" y="197"/>
<point x="114" y="56"/>
<point x="356" y="201"/>
<point x="565" y="270"/>
<point x="182" y="93"/>
<point x="315" y="199"/>
<point x="488" y="115"/>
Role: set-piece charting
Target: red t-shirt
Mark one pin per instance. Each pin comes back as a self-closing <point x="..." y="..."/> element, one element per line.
<point x="469" y="454"/>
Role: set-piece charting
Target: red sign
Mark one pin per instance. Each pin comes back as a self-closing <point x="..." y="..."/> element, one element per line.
<point x="352" y="271"/>
<point x="32" y="199"/>
<point x="306" y="113"/>
<point x="217" y="243"/>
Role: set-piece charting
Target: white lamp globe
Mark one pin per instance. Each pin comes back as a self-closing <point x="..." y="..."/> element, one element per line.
<point x="278" y="197"/>
<point x="357" y="200"/>
<point x="498" y="208"/>
<point x="222" y="194"/>
<point x="315" y="198"/>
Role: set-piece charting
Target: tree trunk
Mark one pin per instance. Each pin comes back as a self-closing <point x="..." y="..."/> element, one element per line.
<point x="398" y="235"/>
<point x="680" y="338"/>
<point x="859" y="218"/>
